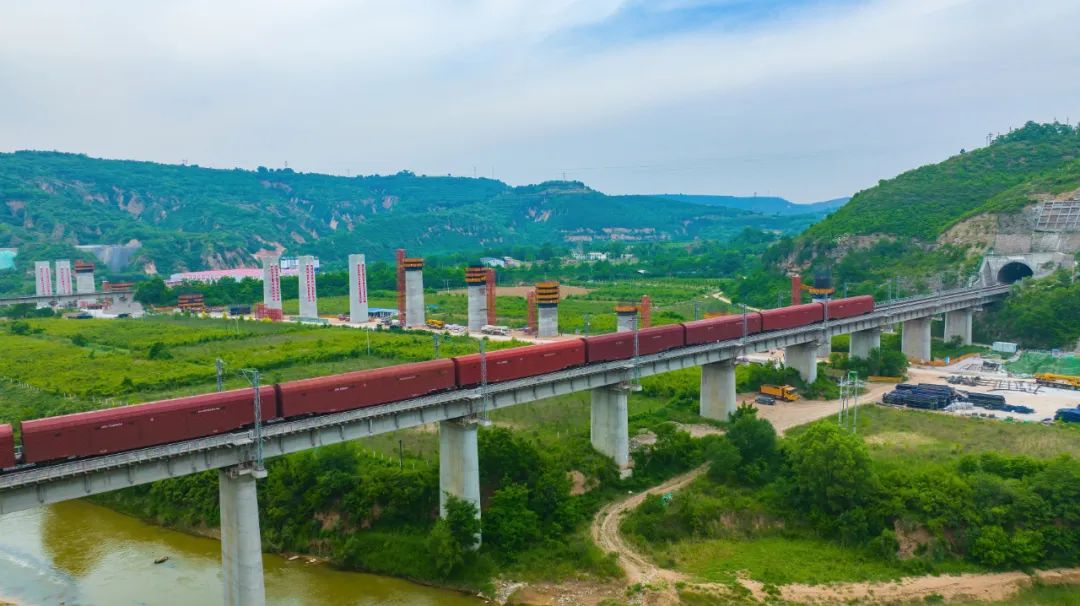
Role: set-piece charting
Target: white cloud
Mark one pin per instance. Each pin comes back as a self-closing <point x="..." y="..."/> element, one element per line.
<point x="813" y="102"/>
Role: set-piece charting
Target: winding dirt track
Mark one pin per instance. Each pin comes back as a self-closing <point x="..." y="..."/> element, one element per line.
<point x="606" y="535"/>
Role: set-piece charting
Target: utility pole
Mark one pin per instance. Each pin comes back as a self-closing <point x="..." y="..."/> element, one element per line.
<point x="220" y="364"/>
<point x="483" y="380"/>
<point x="435" y="338"/>
<point x="252" y="376"/>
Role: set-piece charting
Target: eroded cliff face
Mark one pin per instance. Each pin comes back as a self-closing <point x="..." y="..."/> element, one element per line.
<point x="1015" y="233"/>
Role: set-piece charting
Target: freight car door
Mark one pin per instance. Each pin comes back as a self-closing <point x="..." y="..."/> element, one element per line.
<point x="217" y="418"/>
<point x="115" y="436"/>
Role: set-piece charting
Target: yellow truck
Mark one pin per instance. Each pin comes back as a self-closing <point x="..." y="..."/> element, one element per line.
<point x="780" y="392"/>
<point x="436" y="324"/>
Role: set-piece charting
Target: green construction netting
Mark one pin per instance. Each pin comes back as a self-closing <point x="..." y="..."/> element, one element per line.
<point x="1031" y="363"/>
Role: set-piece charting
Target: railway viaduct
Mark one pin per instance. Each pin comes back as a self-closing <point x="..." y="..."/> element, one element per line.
<point x="237" y="456"/>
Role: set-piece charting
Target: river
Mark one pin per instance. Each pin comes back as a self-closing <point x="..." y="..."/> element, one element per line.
<point x="80" y="553"/>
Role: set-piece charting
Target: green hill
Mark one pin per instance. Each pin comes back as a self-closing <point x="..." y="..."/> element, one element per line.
<point x="894" y="228"/>
<point x="766" y="205"/>
<point x="188" y="217"/>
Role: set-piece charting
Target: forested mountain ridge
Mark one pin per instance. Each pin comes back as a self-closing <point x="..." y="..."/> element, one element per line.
<point x="906" y="225"/>
<point x="189" y="217"/>
<point x="767" y="205"/>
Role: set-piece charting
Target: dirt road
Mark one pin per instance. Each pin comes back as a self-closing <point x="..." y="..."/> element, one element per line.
<point x="990" y="587"/>
<point x="606" y="535"/>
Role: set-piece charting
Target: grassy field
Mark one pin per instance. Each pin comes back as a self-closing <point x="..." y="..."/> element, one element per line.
<point x="900" y="435"/>
<point x="782" y="560"/>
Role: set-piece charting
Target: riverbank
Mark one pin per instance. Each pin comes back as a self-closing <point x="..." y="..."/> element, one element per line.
<point x="78" y="552"/>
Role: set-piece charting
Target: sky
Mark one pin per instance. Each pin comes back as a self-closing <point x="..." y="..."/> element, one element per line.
<point x="806" y="99"/>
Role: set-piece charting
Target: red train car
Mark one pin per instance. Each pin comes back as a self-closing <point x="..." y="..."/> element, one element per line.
<point x="850" y="307"/>
<point x="138" y="426"/>
<point x="620" y="345"/>
<point x="520" y="362"/>
<point x="7" y="447"/>
<point x="792" y="316"/>
<point x="711" y="330"/>
<point x="365" y="388"/>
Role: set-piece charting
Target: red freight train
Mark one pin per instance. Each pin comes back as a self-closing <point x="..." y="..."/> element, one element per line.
<point x="520" y="362"/>
<point x="365" y="388"/>
<point x="620" y="345"/>
<point x="7" y="447"/>
<point x="129" y="427"/>
<point x="711" y="330"/>
<point x="139" y="426"/>
<point x="793" y="316"/>
<point x="850" y="307"/>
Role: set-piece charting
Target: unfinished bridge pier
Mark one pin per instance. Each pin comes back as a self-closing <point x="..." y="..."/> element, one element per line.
<point x="241" y="543"/>
<point x="547" y="307"/>
<point x="476" y="283"/>
<point x="718" y="399"/>
<point x="414" y="292"/>
<point x="626" y="318"/>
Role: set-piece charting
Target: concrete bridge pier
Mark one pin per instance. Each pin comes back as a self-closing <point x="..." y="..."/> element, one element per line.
<point x="459" y="462"/>
<point x="862" y="341"/>
<point x="803" y="358"/>
<point x="958" y="324"/>
<point x="610" y="425"/>
<point x="915" y="340"/>
<point x="718" y="399"/>
<point x="241" y="542"/>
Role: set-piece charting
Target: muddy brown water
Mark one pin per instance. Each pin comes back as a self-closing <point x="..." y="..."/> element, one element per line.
<point x="80" y="553"/>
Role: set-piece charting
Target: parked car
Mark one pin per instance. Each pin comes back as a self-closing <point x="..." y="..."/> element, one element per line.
<point x="764" y="399"/>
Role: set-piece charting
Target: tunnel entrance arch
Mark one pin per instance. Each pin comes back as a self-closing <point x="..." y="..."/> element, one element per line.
<point x="1014" y="271"/>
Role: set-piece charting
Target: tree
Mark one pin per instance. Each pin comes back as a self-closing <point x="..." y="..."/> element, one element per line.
<point x="463" y="521"/>
<point x="454" y="536"/>
<point x="158" y="351"/>
<point x="152" y="292"/>
<point x="991" y="546"/>
<point x="831" y="478"/>
<point x="508" y="521"/>
<point x="445" y="551"/>
<point x="506" y="458"/>
<point x="724" y="459"/>
<point x="755" y="439"/>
